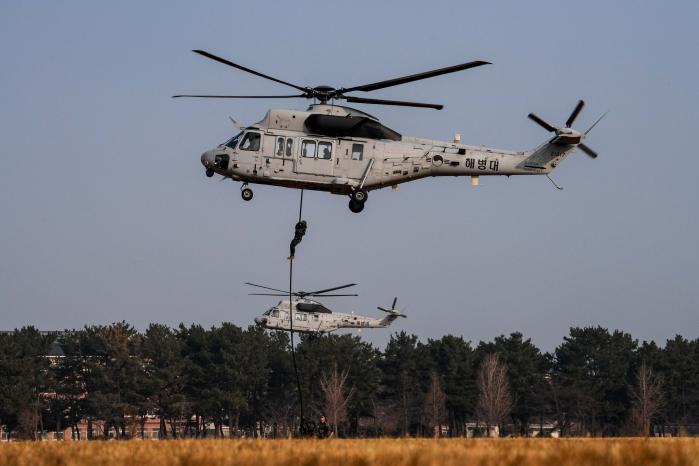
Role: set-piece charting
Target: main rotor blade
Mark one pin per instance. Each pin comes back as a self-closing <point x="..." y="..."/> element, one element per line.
<point x="267" y="287"/>
<point x="400" y="103"/>
<point x="241" y="96"/>
<point x="545" y="124"/>
<point x="574" y="115"/>
<point x="413" y="77"/>
<point x="395" y="300"/>
<point x="328" y="289"/>
<point x="588" y="151"/>
<point x="240" y="67"/>
<point x="268" y="294"/>
<point x="330" y="295"/>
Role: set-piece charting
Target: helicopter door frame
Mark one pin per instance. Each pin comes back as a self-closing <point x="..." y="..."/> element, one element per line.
<point x="255" y="155"/>
<point x="315" y="164"/>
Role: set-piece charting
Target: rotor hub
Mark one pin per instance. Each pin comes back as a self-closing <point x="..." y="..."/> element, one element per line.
<point x="323" y="92"/>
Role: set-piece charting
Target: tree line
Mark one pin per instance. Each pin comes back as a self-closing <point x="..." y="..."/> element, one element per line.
<point x="198" y="381"/>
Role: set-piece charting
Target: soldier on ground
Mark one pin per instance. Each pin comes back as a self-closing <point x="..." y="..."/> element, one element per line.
<point x="324" y="430"/>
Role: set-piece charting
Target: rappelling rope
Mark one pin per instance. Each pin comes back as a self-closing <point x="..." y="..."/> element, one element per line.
<point x="291" y="325"/>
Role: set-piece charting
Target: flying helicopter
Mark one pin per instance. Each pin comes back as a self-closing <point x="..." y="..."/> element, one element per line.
<point x="346" y="151"/>
<point x="310" y="316"/>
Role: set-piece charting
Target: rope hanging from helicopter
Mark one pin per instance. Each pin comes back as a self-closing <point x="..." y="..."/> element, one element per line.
<point x="299" y="232"/>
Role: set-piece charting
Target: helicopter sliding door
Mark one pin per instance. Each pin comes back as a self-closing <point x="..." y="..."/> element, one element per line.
<point x="315" y="157"/>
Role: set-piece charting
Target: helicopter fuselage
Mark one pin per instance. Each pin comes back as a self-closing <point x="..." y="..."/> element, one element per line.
<point x="282" y="150"/>
<point x="312" y="317"/>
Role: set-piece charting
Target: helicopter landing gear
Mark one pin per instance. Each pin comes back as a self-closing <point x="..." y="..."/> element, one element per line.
<point x="246" y="193"/>
<point x="209" y="172"/>
<point x="357" y="200"/>
<point x="356" y="206"/>
<point x="360" y="196"/>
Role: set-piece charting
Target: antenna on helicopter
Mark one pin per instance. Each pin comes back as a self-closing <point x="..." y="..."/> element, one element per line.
<point x="235" y="123"/>
<point x="327" y="93"/>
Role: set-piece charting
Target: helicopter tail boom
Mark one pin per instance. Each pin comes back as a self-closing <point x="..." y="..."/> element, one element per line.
<point x="388" y="320"/>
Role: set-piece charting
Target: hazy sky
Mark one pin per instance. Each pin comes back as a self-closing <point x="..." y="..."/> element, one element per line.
<point x="106" y="215"/>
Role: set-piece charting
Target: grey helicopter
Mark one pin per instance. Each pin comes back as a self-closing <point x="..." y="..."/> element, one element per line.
<point x="305" y="315"/>
<point x="346" y="151"/>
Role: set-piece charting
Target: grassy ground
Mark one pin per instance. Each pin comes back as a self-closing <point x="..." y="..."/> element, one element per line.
<point x="393" y="452"/>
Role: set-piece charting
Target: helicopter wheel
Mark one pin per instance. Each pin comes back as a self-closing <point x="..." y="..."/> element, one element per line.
<point x="355" y="206"/>
<point x="209" y="172"/>
<point x="360" y="196"/>
<point x="246" y="194"/>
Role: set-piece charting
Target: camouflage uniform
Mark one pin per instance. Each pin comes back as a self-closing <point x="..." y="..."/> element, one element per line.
<point x="299" y="231"/>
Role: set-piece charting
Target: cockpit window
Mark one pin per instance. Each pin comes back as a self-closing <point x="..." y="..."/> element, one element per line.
<point x="251" y="141"/>
<point x="232" y="142"/>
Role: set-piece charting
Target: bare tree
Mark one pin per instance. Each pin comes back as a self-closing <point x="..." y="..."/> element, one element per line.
<point x="494" y="400"/>
<point x="336" y="398"/>
<point x="647" y="398"/>
<point x="435" y="405"/>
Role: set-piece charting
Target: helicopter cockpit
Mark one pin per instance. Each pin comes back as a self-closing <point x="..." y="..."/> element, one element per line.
<point x="233" y="142"/>
<point x="249" y="140"/>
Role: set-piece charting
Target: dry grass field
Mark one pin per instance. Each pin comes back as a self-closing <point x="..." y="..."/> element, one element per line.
<point x="386" y="452"/>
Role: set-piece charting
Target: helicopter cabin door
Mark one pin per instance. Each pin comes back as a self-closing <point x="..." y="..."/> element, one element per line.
<point x="315" y="157"/>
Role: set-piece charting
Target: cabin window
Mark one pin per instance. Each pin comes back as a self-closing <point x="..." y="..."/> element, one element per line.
<point x="308" y="149"/>
<point x="325" y="150"/>
<point x="289" y="146"/>
<point x="357" y="151"/>
<point x="280" y="147"/>
<point x="251" y="141"/>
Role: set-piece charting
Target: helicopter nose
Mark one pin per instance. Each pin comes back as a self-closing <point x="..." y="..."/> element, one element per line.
<point x="260" y="320"/>
<point x="207" y="159"/>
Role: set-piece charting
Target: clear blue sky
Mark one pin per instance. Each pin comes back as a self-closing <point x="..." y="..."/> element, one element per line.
<point x="105" y="212"/>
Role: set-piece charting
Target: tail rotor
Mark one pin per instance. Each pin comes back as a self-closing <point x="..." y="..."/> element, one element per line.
<point x="566" y="135"/>
<point x="392" y="311"/>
